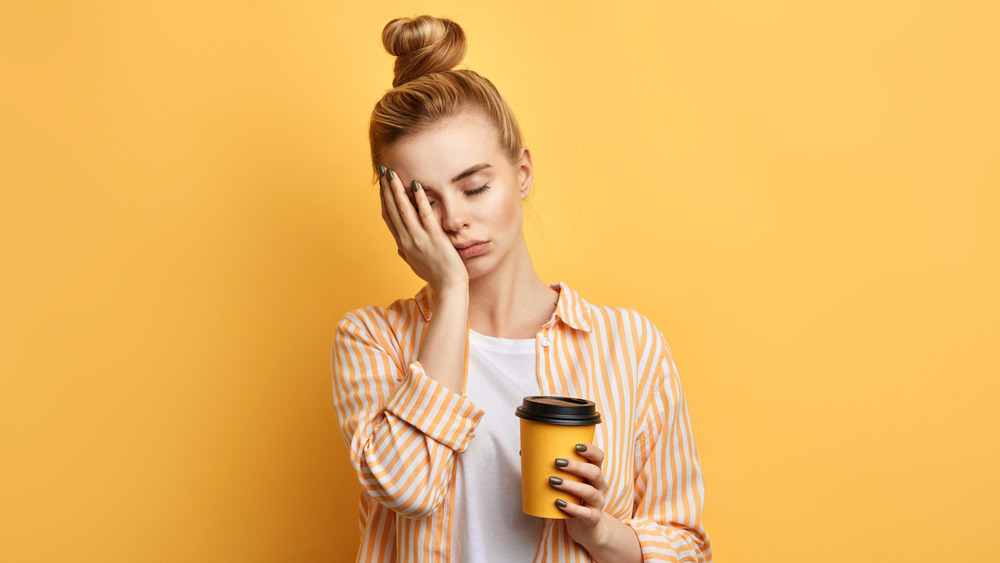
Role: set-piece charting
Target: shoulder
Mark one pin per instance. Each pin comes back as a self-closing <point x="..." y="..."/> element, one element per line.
<point x="613" y="320"/>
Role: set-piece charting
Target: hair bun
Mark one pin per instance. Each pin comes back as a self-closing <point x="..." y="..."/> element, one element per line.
<point x="423" y="45"/>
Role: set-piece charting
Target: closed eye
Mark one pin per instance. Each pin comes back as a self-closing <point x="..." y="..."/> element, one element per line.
<point x="477" y="191"/>
<point x="472" y="192"/>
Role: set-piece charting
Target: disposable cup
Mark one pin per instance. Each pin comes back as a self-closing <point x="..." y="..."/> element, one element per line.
<point x="551" y="427"/>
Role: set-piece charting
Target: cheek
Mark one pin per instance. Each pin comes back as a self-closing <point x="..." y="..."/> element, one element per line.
<point x="509" y="213"/>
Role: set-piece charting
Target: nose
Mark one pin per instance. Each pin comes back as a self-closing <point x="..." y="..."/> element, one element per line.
<point x="453" y="214"/>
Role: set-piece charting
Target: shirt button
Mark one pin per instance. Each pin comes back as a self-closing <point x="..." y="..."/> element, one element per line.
<point x="546" y="341"/>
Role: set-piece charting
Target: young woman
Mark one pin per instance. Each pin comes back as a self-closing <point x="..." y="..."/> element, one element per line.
<point x="426" y="389"/>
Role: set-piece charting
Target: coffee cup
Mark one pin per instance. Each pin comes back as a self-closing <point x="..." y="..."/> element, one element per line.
<point x="551" y="427"/>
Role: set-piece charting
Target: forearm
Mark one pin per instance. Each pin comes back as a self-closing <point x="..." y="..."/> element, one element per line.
<point x="401" y="450"/>
<point x="405" y="461"/>
<point x="442" y="351"/>
<point x="616" y="544"/>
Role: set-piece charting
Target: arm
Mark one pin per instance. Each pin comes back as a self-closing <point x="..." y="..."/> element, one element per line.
<point x="403" y="424"/>
<point x="402" y="427"/>
<point x="425" y="247"/>
<point x="669" y="490"/>
<point x="666" y="518"/>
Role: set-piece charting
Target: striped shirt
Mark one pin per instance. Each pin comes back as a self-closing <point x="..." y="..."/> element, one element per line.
<point x="404" y="429"/>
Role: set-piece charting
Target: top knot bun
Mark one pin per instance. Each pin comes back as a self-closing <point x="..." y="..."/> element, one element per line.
<point x="423" y="45"/>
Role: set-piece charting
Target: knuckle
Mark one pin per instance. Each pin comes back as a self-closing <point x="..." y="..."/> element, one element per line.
<point x="594" y="495"/>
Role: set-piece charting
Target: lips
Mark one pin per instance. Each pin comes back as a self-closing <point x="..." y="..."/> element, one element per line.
<point x="472" y="248"/>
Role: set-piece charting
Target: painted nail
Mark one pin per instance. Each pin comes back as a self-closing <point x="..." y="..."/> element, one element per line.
<point x="581" y="447"/>
<point x="388" y="173"/>
<point x="560" y="462"/>
<point x="416" y="186"/>
<point x="381" y="170"/>
<point x="555" y="480"/>
<point x="560" y="503"/>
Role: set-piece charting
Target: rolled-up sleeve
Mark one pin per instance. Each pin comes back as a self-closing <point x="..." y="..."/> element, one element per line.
<point x="402" y="427"/>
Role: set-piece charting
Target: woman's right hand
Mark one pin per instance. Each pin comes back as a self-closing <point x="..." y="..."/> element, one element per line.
<point x="420" y="240"/>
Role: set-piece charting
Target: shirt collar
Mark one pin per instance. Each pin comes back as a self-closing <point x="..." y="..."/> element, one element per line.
<point x="571" y="309"/>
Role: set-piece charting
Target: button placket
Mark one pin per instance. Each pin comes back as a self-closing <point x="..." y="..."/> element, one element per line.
<point x="544" y="342"/>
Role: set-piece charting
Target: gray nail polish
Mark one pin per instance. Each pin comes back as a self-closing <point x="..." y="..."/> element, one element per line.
<point x="555" y="480"/>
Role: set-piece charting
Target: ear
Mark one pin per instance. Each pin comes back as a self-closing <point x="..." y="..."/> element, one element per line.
<point x="525" y="173"/>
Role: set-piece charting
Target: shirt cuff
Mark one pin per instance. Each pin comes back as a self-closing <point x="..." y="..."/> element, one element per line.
<point x="438" y="412"/>
<point x="663" y="543"/>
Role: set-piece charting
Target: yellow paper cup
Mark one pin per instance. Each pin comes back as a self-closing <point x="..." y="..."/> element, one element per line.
<point x="551" y="427"/>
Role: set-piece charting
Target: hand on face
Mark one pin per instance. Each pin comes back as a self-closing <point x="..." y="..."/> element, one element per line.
<point x="420" y="240"/>
<point x="585" y="525"/>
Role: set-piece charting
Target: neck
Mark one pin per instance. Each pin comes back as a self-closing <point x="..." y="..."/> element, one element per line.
<point x="511" y="302"/>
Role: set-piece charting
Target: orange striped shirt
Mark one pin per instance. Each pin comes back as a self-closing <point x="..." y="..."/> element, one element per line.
<point x="404" y="429"/>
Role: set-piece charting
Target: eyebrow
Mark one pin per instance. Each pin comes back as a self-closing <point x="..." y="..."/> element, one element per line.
<point x="471" y="170"/>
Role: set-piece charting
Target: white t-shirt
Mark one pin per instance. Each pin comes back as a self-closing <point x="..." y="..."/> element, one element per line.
<point x="488" y="525"/>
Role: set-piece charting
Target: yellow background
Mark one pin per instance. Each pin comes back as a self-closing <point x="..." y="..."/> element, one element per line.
<point x="802" y="195"/>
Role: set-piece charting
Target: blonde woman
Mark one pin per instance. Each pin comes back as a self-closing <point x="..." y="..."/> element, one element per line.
<point x="425" y="389"/>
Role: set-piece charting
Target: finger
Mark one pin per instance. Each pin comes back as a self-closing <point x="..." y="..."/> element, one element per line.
<point x="396" y="200"/>
<point x="591" y="453"/>
<point x="585" y="513"/>
<point x="391" y="213"/>
<point x="381" y="197"/>
<point x="584" y="491"/>
<point x="586" y="470"/>
<point x="425" y="211"/>
<point x="405" y="207"/>
<point x="392" y="228"/>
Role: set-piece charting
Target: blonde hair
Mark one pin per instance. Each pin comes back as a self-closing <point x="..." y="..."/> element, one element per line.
<point x="426" y="89"/>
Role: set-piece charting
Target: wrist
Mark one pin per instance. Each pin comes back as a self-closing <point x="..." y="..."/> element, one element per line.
<point x="455" y="292"/>
<point x="604" y="533"/>
<point x="613" y="541"/>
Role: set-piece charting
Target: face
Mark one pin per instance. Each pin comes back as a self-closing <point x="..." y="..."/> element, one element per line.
<point x="474" y="189"/>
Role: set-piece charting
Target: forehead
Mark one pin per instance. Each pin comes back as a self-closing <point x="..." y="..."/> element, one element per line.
<point x="436" y="155"/>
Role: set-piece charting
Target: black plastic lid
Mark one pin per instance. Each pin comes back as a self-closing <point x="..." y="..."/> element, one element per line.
<point x="565" y="411"/>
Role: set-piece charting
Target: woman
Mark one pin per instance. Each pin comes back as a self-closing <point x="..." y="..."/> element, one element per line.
<point x="426" y="388"/>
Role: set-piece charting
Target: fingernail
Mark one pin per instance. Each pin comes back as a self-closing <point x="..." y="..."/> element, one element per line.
<point x="388" y="173"/>
<point x="555" y="480"/>
<point x="415" y="185"/>
<point x="560" y="503"/>
<point x="560" y="462"/>
<point x="381" y="170"/>
<point x="581" y="447"/>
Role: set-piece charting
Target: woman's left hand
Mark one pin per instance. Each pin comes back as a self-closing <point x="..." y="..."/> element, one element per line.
<point x="603" y="536"/>
<point x="585" y="526"/>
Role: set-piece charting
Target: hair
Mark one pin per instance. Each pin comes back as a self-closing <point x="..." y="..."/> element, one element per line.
<point x="427" y="89"/>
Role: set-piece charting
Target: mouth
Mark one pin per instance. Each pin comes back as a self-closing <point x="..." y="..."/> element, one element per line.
<point x="470" y="249"/>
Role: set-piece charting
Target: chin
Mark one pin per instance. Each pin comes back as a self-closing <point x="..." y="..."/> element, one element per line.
<point x="477" y="268"/>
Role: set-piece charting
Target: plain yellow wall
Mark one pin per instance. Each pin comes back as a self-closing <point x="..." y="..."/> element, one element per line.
<point x="802" y="195"/>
